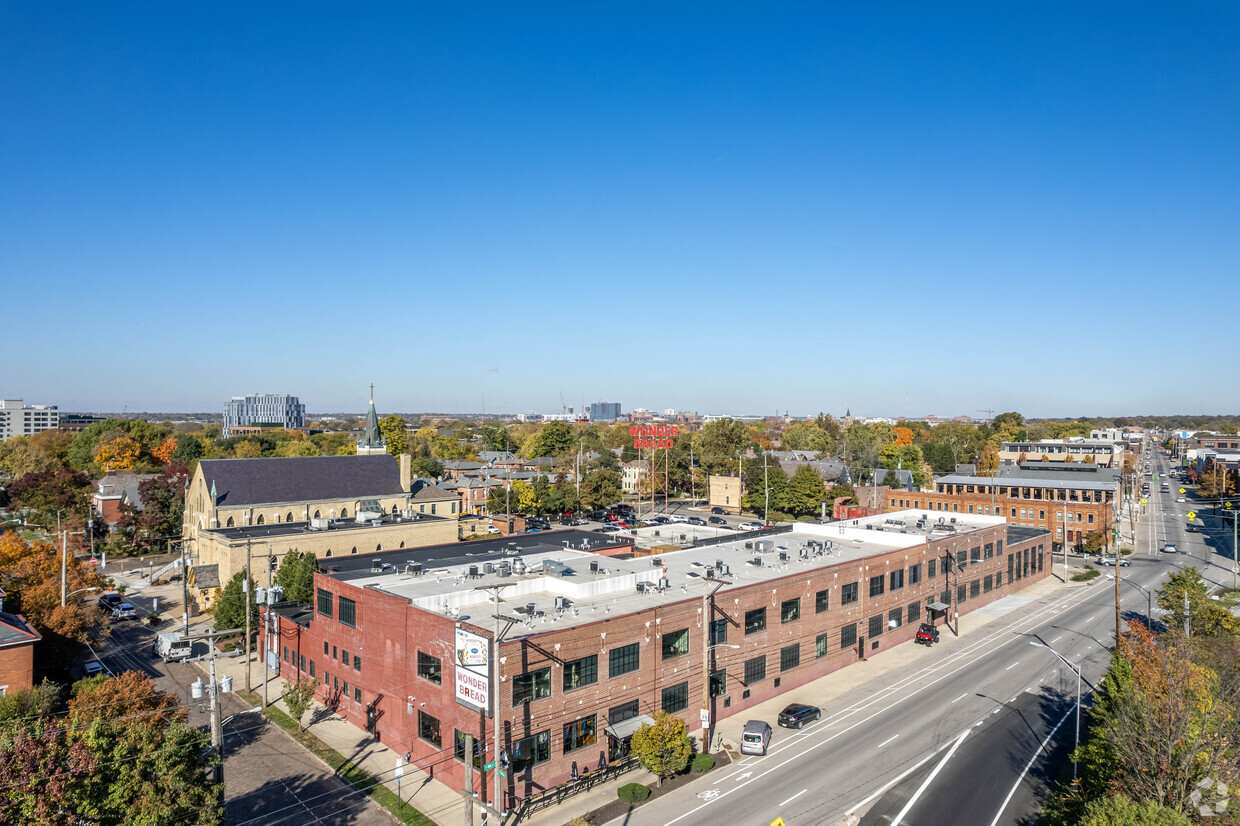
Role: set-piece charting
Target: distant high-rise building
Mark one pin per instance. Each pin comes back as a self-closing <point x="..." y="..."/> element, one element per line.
<point x="604" y="411"/>
<point x="372" y="440"/>
<point x="17" y="419"/>
<point x="264" y="410"/>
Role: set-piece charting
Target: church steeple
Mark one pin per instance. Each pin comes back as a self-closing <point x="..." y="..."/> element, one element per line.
<point x="372" y="438"/>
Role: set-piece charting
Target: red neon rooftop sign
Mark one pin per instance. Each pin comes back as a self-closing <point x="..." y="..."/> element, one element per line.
<point x="656" y="437"/>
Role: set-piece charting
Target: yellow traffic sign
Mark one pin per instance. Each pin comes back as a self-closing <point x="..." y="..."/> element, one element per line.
<point x="1183" y="491"/>
<point x="779" y="821"/>
<point x="1192" y="514"/>
<point x="1143" y="501"/>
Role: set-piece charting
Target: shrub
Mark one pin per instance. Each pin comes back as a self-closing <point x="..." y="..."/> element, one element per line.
<point x="633" y="793"/>
<point x="702" y="763"/>
<point x="1086" y="575"/>
<point x="579" y="821"/>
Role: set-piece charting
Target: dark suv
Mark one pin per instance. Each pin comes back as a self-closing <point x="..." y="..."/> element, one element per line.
<point x="798" y="714"/>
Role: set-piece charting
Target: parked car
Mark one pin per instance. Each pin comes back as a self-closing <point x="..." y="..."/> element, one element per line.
<point x="577" y="521"/>
<point x="606" y="529"/>
<point x="756" y="737"/>
<point x="125" y="611"/>
<point x="718" y="520"/>
<point x="1179" y="499"/>
<point x="1193" y="529"/>
<point x="798" y="714"/>
<point x="494" y="531"/>
<point x="751" y="526"/>
<point x="696" y="520"/>
<point x="1124" y="562"/>
<point x="1168" y="547"/>
<point x="92" y="668"/>
<point x="678" y="518"/>
<point x="927" y="635"/>
<point x="718" y="510"/>
<point x="109" y="601"/>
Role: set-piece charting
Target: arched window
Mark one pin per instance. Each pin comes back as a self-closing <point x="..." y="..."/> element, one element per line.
<point x="379" y="547"/>
<point x="394" y="510"/>
<point x="402" y="543"/>
<point x="289" y="517"/>
<point x="344" y="513"/>
<point x="316" y="515"/>
<point x="329" y="552"/>
<point x="260" y="519"/>
<point x="354" y="550"/>
<point x="230" y="522"/>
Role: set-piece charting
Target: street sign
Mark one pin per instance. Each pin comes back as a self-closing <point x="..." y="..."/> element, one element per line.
<point x="1183" y="491"/>
<point x="1143" y="501"/>
<point x="400" y="767"/>
<point x="486" y="767"/>
<point x="704" y="716"/>
<point x="501" y="774"/>
<point x="779" y="821"/>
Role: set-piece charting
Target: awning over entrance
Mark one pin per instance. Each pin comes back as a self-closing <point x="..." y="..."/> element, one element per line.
<point x="625" y="728"/>
<point x="938" y="606"/>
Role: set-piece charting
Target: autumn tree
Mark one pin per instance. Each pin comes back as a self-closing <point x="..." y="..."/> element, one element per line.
<point x="395" y="434"/>
<point x="1187" y="591"/>
<point x="904" y="436"/>
<point x="988" y="461"/>
<point x="45" y="493"/>
<point x="163" y="453"/>
<point x="163" y="507"/>
<point x="663" y="748"/>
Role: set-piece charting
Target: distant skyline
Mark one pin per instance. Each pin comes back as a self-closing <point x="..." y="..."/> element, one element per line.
<point x="737" y="208"/>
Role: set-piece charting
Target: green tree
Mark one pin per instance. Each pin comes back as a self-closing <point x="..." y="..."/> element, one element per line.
<point x="758" y="478"/>
<point x="805" y="493"/>
<point x="663" y="748"/>
<point x="1206" y="617"/>
<point x="230" y="609"/>
<point x="842" y="490"/>
<point x="1007" y="427"/>
<point x="1119" y="810"/>
<point x="297" y="698"/>
<point x="600" y="488"/>
<point x="297" y="447"/>
<point x="891" y="479"/>
<point x="395" y="433"/>
<point x="552" y="439"/>
<point x="805" y="436"/>
<point x="523" y="497"/>
<point x="296" y="576"/>
<point x="428" y="466"/>
<point x="42" y="699"/>
<point x="541" y="488"/>
<point x="718" y="444"/>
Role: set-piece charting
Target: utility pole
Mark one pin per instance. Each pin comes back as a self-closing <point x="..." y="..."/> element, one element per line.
<point x="64" y="566"/>
<point x="248" y="584"/>
<point x="224" y="686"/>
<point x="1118" y="627"/>
<point x="184" y="592"/>
<point x="468" y="790"/>
<point x="1188" y="632"/>
<point x="766" y="483"/>
<point x="708" y="718"/>
<point x="493" y="669"/>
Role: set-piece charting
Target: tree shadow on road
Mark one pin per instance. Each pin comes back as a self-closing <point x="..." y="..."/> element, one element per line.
<point x="302" y="799"/>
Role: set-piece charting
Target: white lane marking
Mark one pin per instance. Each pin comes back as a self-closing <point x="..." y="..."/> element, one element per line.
<point x="885" y="742"/>
<point x="1013" y="665"/>
<point x="934" y="674"/>
<point x="794" y="797"/>
<point x="1091" y="619"/>
<point x="1057" y="639"/>
<point x="1028" y="765"/>
<point x="926" y="783"/>
<point x="961" y="697"/>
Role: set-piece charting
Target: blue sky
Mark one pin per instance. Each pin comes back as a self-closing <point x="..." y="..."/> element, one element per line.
<point x="902" y="209"/>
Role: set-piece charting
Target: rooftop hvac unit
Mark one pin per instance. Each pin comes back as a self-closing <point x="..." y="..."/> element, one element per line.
<point x="320" y="524"/>
<point x="414" y="568"/>
<point x="488" y="567"/>
<point x="656" y="562"/>
<point x="664" y="584"/>
<point x="554" y="566"/>
<point x="783" y="556"/>
<point x="376" y="565"/>
<point x="594" y="567"/>
<point x="473" y="571"/>
<point x="530" y="608"/>
<point x="561" y="603"/>
<point x="765" y="546"/>
<point x="503" y="570"/>
<point x="518" y="567"/>
<point x="641" y="587"/>
<point x="757" y="560"/>
<point x="749" y="546"/>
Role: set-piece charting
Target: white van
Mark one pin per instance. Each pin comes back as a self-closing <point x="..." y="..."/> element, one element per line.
<point x="756" y="737"/>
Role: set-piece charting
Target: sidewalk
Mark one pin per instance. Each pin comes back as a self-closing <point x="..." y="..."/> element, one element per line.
<point x="443" y="804"/>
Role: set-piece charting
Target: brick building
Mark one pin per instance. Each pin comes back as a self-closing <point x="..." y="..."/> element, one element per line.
<point x="1048" y="495"/>
<point x="597" y="644"/>
<point x="17" y="641"/>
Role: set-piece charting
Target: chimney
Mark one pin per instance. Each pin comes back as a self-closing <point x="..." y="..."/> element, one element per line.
<point x="406" y="463"/>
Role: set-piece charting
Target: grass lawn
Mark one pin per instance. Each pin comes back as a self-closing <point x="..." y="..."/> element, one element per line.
<point x="352" y="774"/>
<point x="1229" y="596"/>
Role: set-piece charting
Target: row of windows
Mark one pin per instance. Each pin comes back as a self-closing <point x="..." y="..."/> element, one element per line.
<point x="347" y="608"/>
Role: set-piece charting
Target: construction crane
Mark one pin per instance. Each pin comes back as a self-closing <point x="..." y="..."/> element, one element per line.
<point x="990" y="413"/>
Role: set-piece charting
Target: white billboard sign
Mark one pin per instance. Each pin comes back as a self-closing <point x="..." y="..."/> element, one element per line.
<point x="473" y="676"/>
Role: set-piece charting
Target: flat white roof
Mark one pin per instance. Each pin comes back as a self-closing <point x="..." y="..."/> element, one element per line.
<point x="590" y="594"/>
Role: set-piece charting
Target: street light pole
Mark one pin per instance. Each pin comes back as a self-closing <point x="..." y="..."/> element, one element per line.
<point x="1078" y="699"/>
<point x="707" y="717"/>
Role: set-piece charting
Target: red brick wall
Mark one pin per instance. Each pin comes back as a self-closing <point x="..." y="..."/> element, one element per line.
<point x="17" y="667"/>
<point x="1037" y="513"/>
<point x="390" y="632"/>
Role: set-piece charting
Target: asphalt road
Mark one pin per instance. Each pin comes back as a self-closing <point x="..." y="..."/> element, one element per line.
<point x="269" y="779"/>
<point x="1006" y="693"/>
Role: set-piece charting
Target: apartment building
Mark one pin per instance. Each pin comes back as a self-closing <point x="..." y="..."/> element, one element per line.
<point x="263" y="409"/>
<point x="17" y="419"/>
